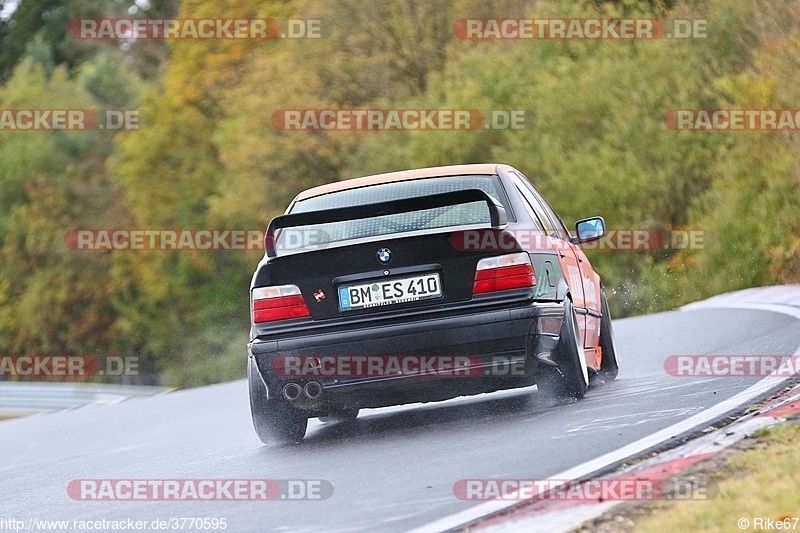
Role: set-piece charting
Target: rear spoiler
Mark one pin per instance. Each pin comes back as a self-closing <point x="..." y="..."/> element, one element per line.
<point x="497" y="214"/>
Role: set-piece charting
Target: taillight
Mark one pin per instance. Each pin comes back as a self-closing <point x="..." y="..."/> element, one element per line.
<point x="278" y="303"/>
<point x="512" y="271"/>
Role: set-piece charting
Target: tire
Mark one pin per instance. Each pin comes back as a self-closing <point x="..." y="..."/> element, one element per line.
<point x="276" y="422"/>
<point x="570" y="378"/>
<point x="340" y="415"/>
<point x="609" y="365"/>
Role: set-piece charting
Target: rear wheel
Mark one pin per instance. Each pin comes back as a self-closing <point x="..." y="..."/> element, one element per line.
<point x="570" y="377"/>
<point x="609" y="366"/>
<point x="340" y="415"/>
<point x="276" y="421"/>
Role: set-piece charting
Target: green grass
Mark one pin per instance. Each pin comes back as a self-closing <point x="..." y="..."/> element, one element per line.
<point x="762" y="481"/>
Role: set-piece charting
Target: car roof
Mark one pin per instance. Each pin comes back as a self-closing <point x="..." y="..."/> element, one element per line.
<point x="487" y="169"/>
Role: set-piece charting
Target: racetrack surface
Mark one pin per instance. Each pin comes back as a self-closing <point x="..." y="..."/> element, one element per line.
<point x="392" y="469"/>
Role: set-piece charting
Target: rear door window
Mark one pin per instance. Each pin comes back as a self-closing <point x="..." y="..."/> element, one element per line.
<point x="558" y="228"/>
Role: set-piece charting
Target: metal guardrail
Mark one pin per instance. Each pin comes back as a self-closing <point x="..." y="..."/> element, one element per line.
<point x="25" y="399"/>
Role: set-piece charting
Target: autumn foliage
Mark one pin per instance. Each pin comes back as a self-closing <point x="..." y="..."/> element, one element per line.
<point x="206" y="154"/>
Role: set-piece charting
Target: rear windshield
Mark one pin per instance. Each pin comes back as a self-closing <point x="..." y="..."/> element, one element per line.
<point x="425" y="219"/>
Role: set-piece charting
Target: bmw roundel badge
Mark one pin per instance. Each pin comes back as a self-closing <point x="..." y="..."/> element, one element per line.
<point x="384" y="255"/>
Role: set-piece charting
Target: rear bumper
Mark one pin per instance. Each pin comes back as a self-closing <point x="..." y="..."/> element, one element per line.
<point x="502" y="346"/>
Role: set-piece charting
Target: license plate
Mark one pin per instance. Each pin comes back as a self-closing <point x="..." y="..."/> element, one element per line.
<point x="389" y="292"/>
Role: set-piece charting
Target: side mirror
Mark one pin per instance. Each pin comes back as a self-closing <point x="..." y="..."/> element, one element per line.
<point x="589" y="229"/>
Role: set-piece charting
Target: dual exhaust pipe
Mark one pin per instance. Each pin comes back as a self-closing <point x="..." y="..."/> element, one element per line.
<point x="292" y="391"/>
